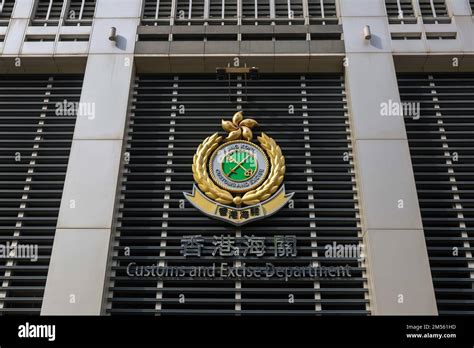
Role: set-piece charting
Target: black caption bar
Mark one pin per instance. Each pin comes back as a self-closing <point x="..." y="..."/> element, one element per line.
<point x="45" y="331"/>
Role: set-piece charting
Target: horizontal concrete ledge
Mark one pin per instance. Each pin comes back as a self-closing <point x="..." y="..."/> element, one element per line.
<point x="43" y="64"/>
<point x="240" y="47"/>
<point x="266" y="64"/>
<point x="434" y="62"/>
<point x="236" y="29"/>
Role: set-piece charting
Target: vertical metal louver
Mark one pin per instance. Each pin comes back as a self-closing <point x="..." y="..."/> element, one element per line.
<point x="189" y="11"/>
<point x="48" y="12"/>
<point x="156" y="11"/>
<point x="161" y="142"/>
<point x="219" y="9"/>
<point x="400" y="11"/>
<point x="255" y="9"/>
<point x="6" y="10"/>
<point x="442" y="151"/>
<point x="34" y="151"/>
<point x="434" y="11"/>
<point x="80" y="12"/>
<point x="322" y="12"/>
<point x="289" y="9"/>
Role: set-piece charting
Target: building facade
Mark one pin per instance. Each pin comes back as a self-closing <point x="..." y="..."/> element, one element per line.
<point x="105" y="102"/>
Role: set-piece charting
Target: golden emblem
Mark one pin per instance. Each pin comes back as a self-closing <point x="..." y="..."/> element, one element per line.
<point x="238" y="181"/>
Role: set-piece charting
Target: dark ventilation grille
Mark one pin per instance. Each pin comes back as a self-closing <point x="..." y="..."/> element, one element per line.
<point x="48" y="12"/>
<point x="156" y="11"/>
<point x="290" y="10"/>
<point x="471" y="2"/>
<point x="6" y="9"/>
<point x="434" y="11"/>
<point x="325" y="14"/>
<point x="442" y="152"/>
<point x="161" y="143"/>
<point x="189" y="12"/>
<point x="400" y="11"/>
<point x="34" y="151"/>
<point x="80" y="12"/>
<point x="217" y="11"/>
<point x="261" y="10"/>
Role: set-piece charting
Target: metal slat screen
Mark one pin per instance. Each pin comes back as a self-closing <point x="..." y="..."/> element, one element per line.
<point x="34" y="150"/>
<point x="400" y="11"/>
<point x="434" y="11"/>
<point x="77" y="12"/>
<point x="442" y="151"/>
<point x="171" y="116"/>
<point x="6" y="10"/>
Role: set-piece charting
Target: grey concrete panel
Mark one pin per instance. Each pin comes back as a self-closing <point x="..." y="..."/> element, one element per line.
<point x="362" y="8"/>
<point x="77" y="271"/>
<point x="149" y="64"/>
<point x="372" y="84"/>
<point x="153" y="47"/>
<point x="291" y="47"/>
<point x="291" y="29"/>
<point x="264" y="63"/>
<point x="256" y="29"/>
<point x="118" y="8"/>
<point x="296" y="64"/>
<point x="386" y="185"/>
<point x="409" y="46"/>
<point x="162" y="29"/>
<point x="187" y="64"/>
<point x="409" y="63"/>
<point x="221" y="47"/>
<point x="222" y="29"/>
<point x="399" y="273"/>
<point x="91" y="182"/>
<point x="105" y="95"/>
<point x="354" y="34"/>
<point x="126" y="36"/>
<point x="185" y="29"/>
<point x="458" y="7"/>
<point x="23" y="9"/>
<point x="326" y="64"/>
<point x="15" y="36"/>
<point x="465" y="29"/>
<point x="323" y="29"/>
<point x="326" y="46"/>
<point x="195" y="48"/>
<point x="38" y="48"/>
<point x="257" y="47"/>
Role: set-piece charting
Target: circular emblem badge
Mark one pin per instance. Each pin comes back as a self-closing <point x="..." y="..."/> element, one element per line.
<point x="238" y="166"/>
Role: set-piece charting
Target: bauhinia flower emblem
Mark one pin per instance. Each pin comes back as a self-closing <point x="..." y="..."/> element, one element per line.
<point x="239" y="128"/>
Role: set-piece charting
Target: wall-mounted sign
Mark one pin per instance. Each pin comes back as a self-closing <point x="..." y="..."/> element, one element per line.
<point x="238" y="181"/>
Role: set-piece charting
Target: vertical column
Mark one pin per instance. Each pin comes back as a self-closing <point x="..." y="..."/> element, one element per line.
<point x="462" y="17"/>
<point x="77" y="272"/>
<point x="22" y="11"/>
<point x="399" y="273"/>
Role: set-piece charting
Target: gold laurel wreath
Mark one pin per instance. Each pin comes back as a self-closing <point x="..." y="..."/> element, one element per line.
<point x="200" y="174"/>
<point x="275" y="177"/>
<point x="263" y="192"/>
